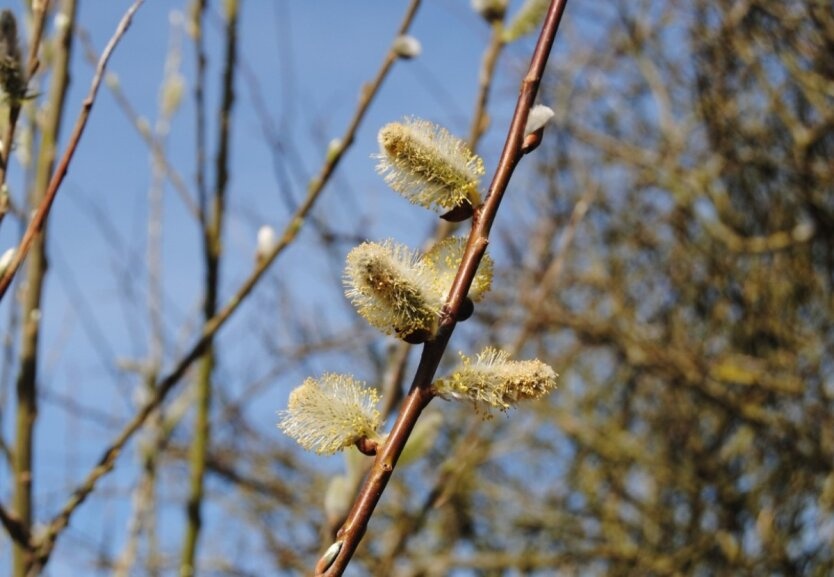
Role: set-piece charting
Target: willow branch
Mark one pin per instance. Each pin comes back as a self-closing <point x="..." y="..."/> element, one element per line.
<point x="37" y="223"/>
<point x="32" y="303"/>
<point x="420" y="394"/>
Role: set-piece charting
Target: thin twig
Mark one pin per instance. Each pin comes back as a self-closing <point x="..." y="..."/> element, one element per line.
<point x="421" y="394"/>
<point x="107" y="460"/>
<point x="32" y="298"/>
<point x="212" y="229"/>
<point x="151" y="139"/>
<point x="37" y="222"/>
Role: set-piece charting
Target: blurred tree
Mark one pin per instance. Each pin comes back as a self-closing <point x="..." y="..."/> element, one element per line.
<point x="691" y="314"/>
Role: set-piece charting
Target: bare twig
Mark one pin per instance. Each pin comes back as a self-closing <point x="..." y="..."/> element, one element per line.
<point x="421" y="394"/>
<point x="212" y="225"/>
<point x="37" y="222"/>
<point x="32" y="305"/>
<point x="151" y="139"/>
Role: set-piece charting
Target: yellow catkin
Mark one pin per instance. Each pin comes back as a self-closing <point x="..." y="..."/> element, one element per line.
<point x="428" y="165"/>
<point x="443" y="260"/>
<point x="494" y="380"/>
<point x="328" y="414"/>
<point x="391" y="290"/>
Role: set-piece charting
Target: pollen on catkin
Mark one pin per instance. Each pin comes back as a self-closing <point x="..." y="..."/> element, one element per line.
<point x="428" y="165"/>
<point x="326" y="415"/>
<point x="443" y="260"/>
<point x="391" y="290"/>
<point x="494" y="380"/>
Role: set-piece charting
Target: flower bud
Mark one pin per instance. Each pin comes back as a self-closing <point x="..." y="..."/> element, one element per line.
<point x="407" y="47"/>
<point x="539" y="116"/>
<point x="266" y="242"/>
<point x="6" y="260"/>
<point x="490" y="10"/>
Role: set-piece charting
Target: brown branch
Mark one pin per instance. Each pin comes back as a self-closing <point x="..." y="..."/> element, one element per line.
<point x="212" y="225"/>
<point x="27" y="378"/>
<point x="37" y="222"/>
<point x="108" y="458"/>
<point x="421" y="393"/>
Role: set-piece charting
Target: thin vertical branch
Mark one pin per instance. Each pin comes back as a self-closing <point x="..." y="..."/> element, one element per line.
<point x="197" y="19"/>
<point x="27" y="393"/>
<point x="143" y="519"/>
<point x="212" y="243"/>
<point x="39" y="219"/>
<point x="420" y="394"/>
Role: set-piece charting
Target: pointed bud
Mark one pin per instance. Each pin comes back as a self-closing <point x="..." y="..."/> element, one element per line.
<point x="329" y="556"/>
<point x="334" y="149"/>
<point x="443" y="261"/>
<point x="391" y="290"/>
<point x="428" y="165"/>
<point x="407" y="47"/>
<point x="494" y="380"/>
<point x="6" y="260"/>
<point x="266" y="242"/>
<point x="538" y="116"/>
<point x="331" y="413"/>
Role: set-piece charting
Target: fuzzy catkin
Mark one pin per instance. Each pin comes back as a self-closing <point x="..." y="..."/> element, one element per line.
<point x="443" y="260"/>
<point x="328" y="414"/>
<point x="428" y="165"/>
<point x="389" y="288"/>
<point x="494" y="380"/>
